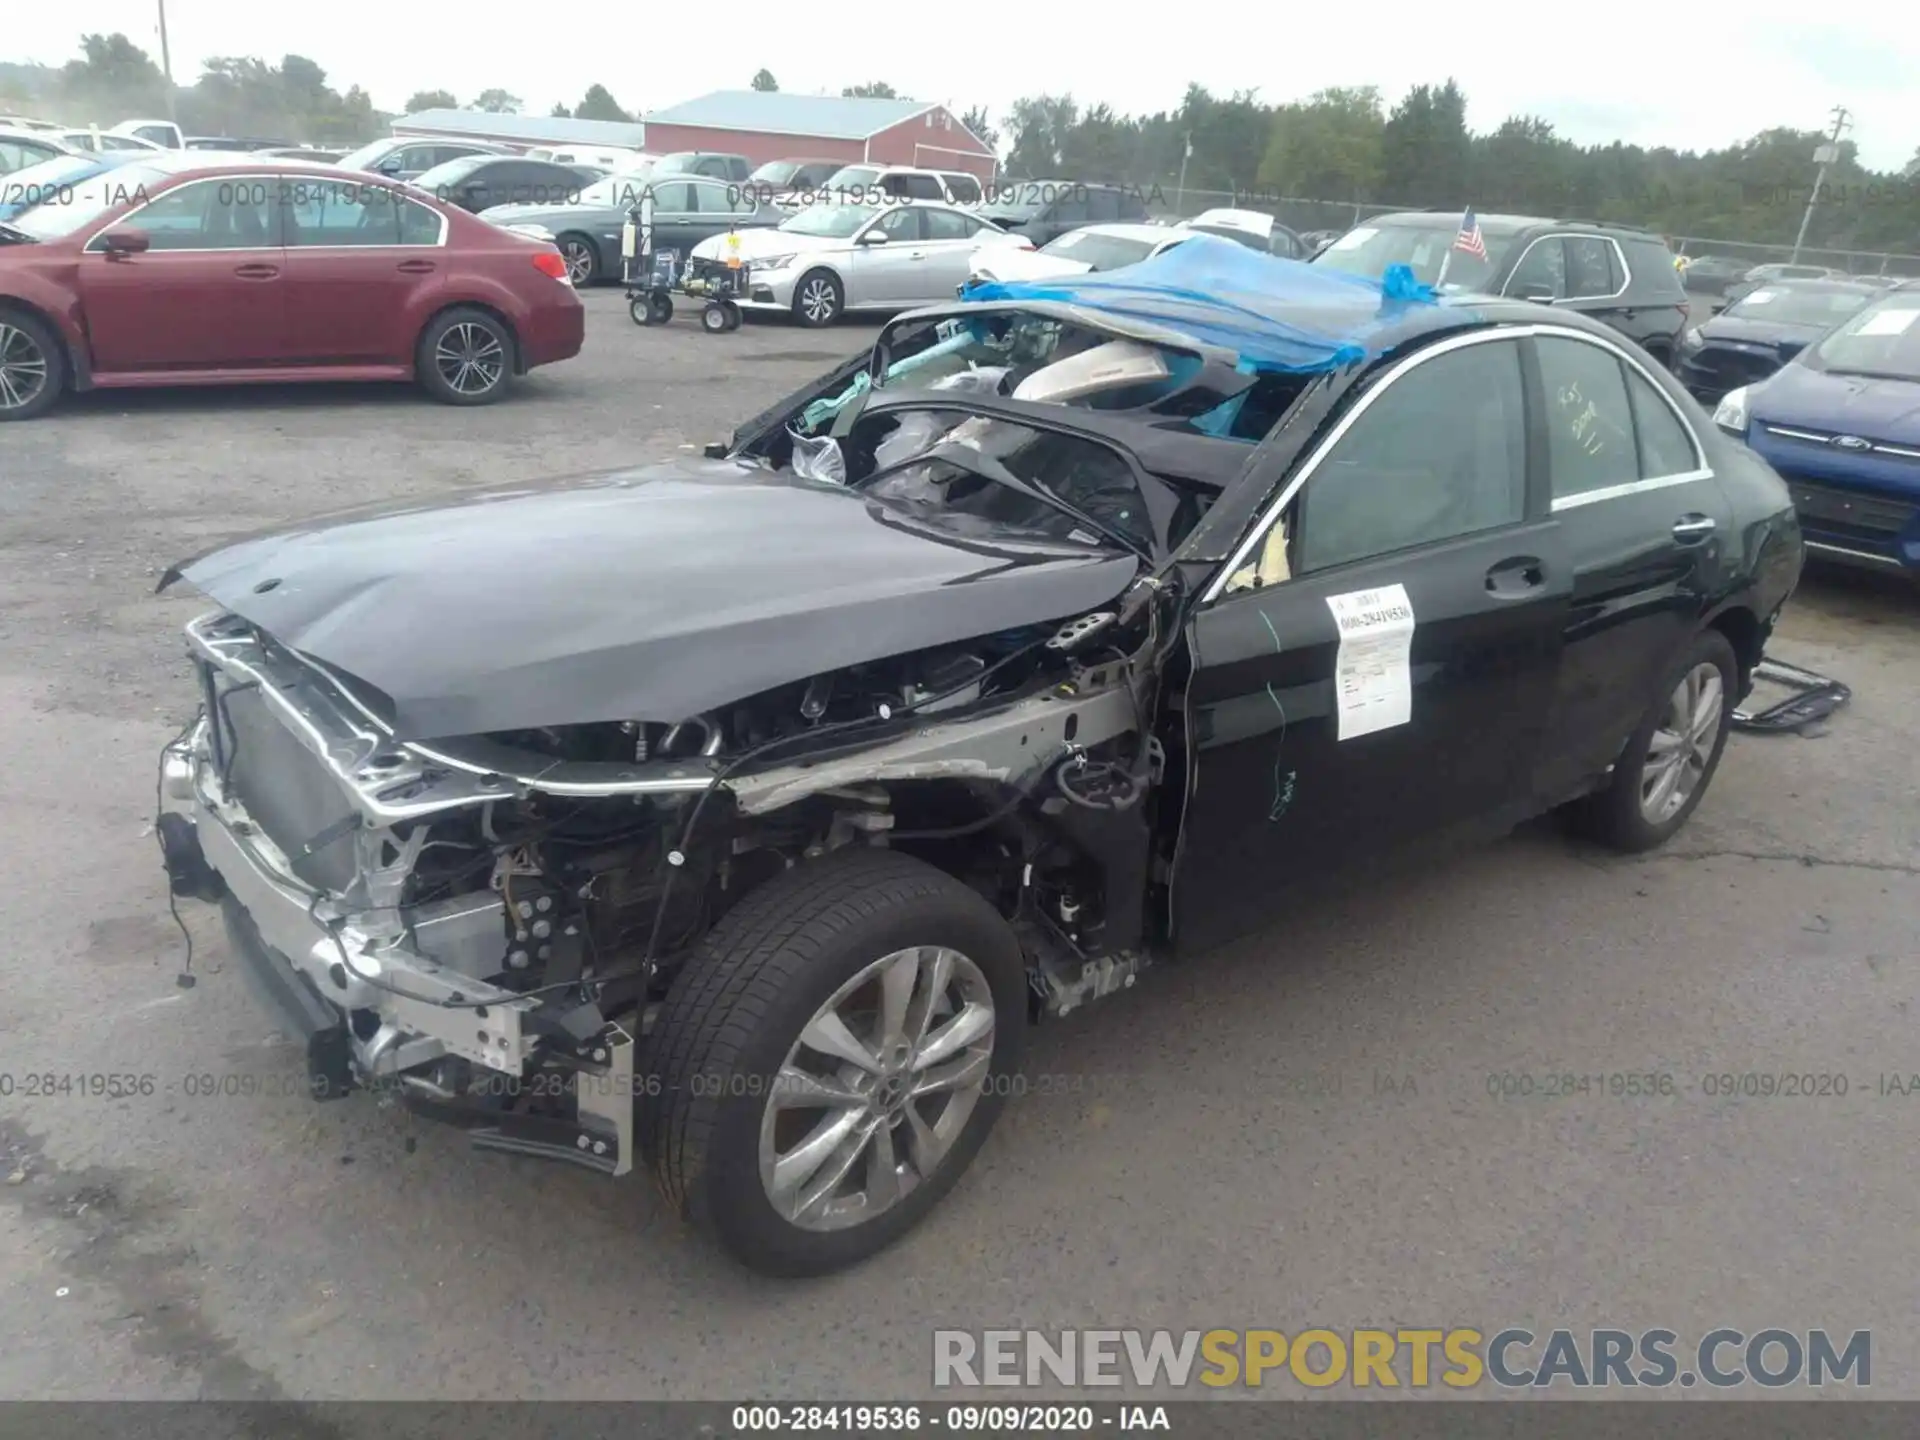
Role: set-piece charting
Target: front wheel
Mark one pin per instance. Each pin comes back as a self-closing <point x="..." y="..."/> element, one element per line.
<point x="817" y="299"/>
<point x="831" y="1059"/>
<point x="1671" y="758"/>
<point x="465" y="357"/>
<point x="33" y="367"/>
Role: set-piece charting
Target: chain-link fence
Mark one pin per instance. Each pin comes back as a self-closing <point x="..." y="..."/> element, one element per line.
<point x="1303" y="214"/>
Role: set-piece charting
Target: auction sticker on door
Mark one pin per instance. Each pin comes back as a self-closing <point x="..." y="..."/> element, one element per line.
<point x="1372" y="679"/>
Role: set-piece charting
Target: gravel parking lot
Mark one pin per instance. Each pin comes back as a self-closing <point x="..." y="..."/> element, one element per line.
<point x="1294" y="1131"/>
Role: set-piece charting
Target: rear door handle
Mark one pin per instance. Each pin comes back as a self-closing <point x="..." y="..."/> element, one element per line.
<point x="415" y="267"/>
<point x="1520" y="575"/>
<point x="1692" y="529"/>
<point x="256" y="271"/>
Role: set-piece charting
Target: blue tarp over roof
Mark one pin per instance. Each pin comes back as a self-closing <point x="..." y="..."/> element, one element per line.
<point x="1274" y="314"/>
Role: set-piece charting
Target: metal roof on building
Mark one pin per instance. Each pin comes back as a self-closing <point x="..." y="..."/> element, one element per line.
<point x="774" y="112"/>
<point x="537" y="129"/>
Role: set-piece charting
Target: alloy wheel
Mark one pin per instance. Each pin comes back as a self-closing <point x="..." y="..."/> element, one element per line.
<point x="23" y="367"/>
<point x="1682" y="746"/>
<point x="817" y="300"/>
<point x="470" y="358"/>
<point x="579" y="262"/>
<point x="877" y="1088"/>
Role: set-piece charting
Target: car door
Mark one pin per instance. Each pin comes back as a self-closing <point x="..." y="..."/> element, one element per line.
<point x="363" y="264"/>
<point x="208" y="293"/>
<point x="950" y="238"/>
<point x="886" y="272"/>
<point x="1645" y="525"/>
<point x="1068" y="211"/>
<point x="677" y="221"/>
<point x="1375" y="665"/>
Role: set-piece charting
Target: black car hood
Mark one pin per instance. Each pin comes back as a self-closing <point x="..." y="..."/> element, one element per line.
<point x="1740" y="330"/>
<point x="647" y="595"/>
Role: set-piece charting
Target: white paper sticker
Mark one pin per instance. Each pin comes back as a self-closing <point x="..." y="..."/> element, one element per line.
<point x="1759" y="297"/>
<point x="1372" y="678"/>
<point x="1354" y="239"/>
<point x="1889" y="322"/>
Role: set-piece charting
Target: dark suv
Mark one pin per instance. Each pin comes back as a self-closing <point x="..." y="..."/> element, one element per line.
<point x="1615" y="273"/>
<point x="1044" y="210"/>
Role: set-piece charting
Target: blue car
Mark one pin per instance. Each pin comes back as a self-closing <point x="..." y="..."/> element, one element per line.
<point x="50" y="179"/>
<point x="1841" y="423"/>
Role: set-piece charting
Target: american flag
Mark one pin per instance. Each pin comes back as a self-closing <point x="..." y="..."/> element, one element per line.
<point x="1470" y="239"/>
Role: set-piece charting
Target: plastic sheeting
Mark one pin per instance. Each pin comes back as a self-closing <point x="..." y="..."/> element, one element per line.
<point x="1274" y="314"/>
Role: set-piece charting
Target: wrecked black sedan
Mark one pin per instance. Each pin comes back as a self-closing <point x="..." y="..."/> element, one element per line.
<point x="734" y="818"/>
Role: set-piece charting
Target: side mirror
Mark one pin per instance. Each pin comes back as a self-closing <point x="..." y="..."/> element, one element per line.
<point x="125" y="242"/>
<point x="875" y="237"/>
<point x="389" y="166"/>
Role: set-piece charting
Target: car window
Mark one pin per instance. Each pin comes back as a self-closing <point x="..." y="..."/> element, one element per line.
<point x="1590" y="437"/>
<point x="1132" y="207"/>
<point x="210" y="215"/>
<point x="1543" y="267"/>
<point x="18" y="154"/>
<point x="674" y="197"/>
<point x="1442" y="452"/>
<point x="1103" y="206"/>
<point x="711" y="198"/>
<point x="1070" y="208"/>
<point x="925" y="187"/>
<point x="902" y="224"/>
<point x="341" y="212"/>
<point x="1589" y="261"/>
<point x="158" y="134"/>
<point x="964" y="188"/>
<point x="1666" y="447"/>
<point x="419" y="225"/>
<point x="949" y="225"/>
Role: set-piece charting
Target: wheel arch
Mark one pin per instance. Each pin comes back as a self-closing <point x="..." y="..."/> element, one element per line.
<point x="79" y="371"/>
<point x="1744" y="632"/>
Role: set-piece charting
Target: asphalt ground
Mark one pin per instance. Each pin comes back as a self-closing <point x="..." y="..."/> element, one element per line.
<point x="1299" y="1130"/>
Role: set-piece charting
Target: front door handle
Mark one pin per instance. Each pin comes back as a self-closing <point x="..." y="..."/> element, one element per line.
<point x="415" y="267"/>
<point x="1520" y="575"/>
<point x="1692" y="529"/>
<point x="256" y="271"/>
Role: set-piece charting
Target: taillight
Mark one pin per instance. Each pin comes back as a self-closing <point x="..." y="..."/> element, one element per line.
<point x="1023" y="243"/>
<point x="548" y="262"/>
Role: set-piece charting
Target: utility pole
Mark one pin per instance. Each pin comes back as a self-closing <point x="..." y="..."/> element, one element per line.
<point x="166" y="62"/>
<point x="1180" y="194"/>
<point x="1825" y="155"/>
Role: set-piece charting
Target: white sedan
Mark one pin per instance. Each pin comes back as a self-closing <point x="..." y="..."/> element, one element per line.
<point x="830" y="259"/>
<point x="1078" y="252"/>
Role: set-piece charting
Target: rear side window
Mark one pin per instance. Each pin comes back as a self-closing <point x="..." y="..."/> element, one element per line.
<point x="1590" y="435"/>
<point x="964" y="188"/>
<point x="922" y="187"/>
<point x="1589" y="267"/>
<point x="1666" y="448"/>
<point x="1653" y="268"/>
<point x="1103" y="206"/>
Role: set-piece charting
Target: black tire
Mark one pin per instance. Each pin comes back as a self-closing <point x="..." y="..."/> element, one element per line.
<point x="1615" y="815"/>
<point x="33" y="366"/>
<point x="662" y="309"/>
<point x="582" y="257"/>
<point x="713" y="318"/>
<point x="818" y="299"/>
<point x="465" y="331"/>
<point x="733" y="314"/>
<point x="738" y="1007"/>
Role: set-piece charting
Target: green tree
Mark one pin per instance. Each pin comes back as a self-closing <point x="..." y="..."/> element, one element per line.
<point x="763" y="79"/>
<point x="1327" y="147"/>
<point x="599" y="104"/>
<point x="976" y="120"/>
<point x="113" y="74"/>
<point x="431" y="100"/>
<point x="1426" y="152"/>
<point x="560" y="112"/>
<point x="1042" y="127"/>
<point x="873" y="90"/>
<point x="497" y="102"/>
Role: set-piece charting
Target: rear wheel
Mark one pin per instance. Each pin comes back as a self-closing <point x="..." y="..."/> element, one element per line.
<point x="465" y="357"/>
<point x="1671" y="758"/>
<point x="826" y="1064"/>
<point x="33" y="366"/>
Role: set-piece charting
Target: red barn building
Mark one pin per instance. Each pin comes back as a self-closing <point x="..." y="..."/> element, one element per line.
<point x="768" y="125"/>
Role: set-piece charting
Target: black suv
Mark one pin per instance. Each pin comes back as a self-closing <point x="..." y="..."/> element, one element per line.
<point x="1044" y="210"/>
<point x="1615" y="273"/>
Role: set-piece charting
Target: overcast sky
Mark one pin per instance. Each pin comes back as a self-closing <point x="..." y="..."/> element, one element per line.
<point x="1644" y="71"/>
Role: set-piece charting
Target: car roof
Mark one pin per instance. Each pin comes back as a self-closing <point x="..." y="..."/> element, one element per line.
<point x="1505" y="224"/>
<point x="1256" y="222"/>
<point x="1838" y="284"/>
<point x="1127" y="230"/>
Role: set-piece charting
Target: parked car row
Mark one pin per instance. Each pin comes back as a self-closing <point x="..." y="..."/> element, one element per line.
<point x="186" y="267"/>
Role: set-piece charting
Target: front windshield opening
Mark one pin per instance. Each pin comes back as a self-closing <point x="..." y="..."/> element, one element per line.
<point x="774" y="172"/>
<point x="1370" y="249"/>
<point x="835" y="222"/>
<point x="453" y="172"/>
<point x="1882" y="342"/>
<point x="945" y="462"/>
<point x="1788" y="306"/>
<point x="87" y="200"/>
<point x="366" y="154"/>
<point x="852" y="177"/>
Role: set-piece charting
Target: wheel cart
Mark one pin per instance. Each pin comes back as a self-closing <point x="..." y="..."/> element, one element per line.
<point x="652" y="276"/>
<point x="649" y="275"/>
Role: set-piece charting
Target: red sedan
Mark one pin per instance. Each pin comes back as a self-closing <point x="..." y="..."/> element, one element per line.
<point x="193" y="268"/>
